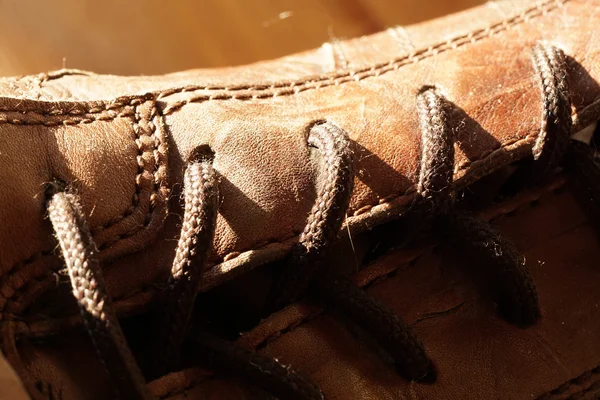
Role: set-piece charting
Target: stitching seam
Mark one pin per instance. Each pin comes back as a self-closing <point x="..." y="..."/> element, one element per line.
<point x="539" y="9"/>
<point x="105" y="117"/>
<point x="410" y="193"/>
<point x="378" y="280"/>
<point x="110" y="106"/>
<point x="157" y="174"/>
<point x="295" y="87"/>
<point x="506" y="24"/>
<point x="365" y="209"/>
<point x="138" y="177"/>
<point x="142" y="167"/>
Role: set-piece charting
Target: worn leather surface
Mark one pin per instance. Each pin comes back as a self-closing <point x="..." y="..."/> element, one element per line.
<point x="121" y="143"/>
<point x="477" y="354"/>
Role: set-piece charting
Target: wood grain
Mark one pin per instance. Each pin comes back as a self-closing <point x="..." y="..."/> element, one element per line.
<point x="157" y="36"/>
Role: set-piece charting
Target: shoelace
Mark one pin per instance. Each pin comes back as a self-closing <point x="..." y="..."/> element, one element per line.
<point x="515" y="291"/>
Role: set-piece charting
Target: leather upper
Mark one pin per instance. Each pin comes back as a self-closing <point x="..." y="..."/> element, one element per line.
<point x="477" y="354"/>
<point x="121" y="143"/>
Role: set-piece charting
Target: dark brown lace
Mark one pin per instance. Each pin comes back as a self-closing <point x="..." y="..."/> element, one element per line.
<point x="94" y="302"/>
<point x="491" y="252"/>
<point x="201" y="205"/>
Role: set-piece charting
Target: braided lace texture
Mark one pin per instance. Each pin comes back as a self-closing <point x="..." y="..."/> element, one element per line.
<point x="495" y="256"/>
<point x="199" y="220"/>
<point x="94" y="303"/>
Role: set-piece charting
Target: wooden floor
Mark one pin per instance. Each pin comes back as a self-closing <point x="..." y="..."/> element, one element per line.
<point x="157" y="36"/>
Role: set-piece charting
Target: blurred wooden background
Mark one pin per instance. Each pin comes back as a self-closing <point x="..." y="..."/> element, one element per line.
<point x="158" y="36"/>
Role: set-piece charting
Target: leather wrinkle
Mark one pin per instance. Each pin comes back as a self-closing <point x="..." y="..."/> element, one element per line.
<point x="511" y="212"/>
<point x="145" y="289"/>
<point x="537" y="10"/>
<point x="136" y="116"/>
<point x="409" y="194"/>
<point x="16" y="292"/>
<point x="85" y="120"/>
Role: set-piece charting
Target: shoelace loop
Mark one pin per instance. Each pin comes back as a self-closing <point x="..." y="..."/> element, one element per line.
<point x="515" y="291"/>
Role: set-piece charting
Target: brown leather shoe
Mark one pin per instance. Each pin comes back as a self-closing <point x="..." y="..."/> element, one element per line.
<point x="419" y="224"/>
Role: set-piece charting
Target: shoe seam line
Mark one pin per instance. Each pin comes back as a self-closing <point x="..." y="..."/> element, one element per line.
<point x="508" y="213"/>
<point x="157" y="170"/>
<point x="256" y="92"/>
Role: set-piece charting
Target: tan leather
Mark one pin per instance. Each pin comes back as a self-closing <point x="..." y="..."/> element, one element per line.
<point x="477" y="354"/>
<point x="122" y="143"/>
